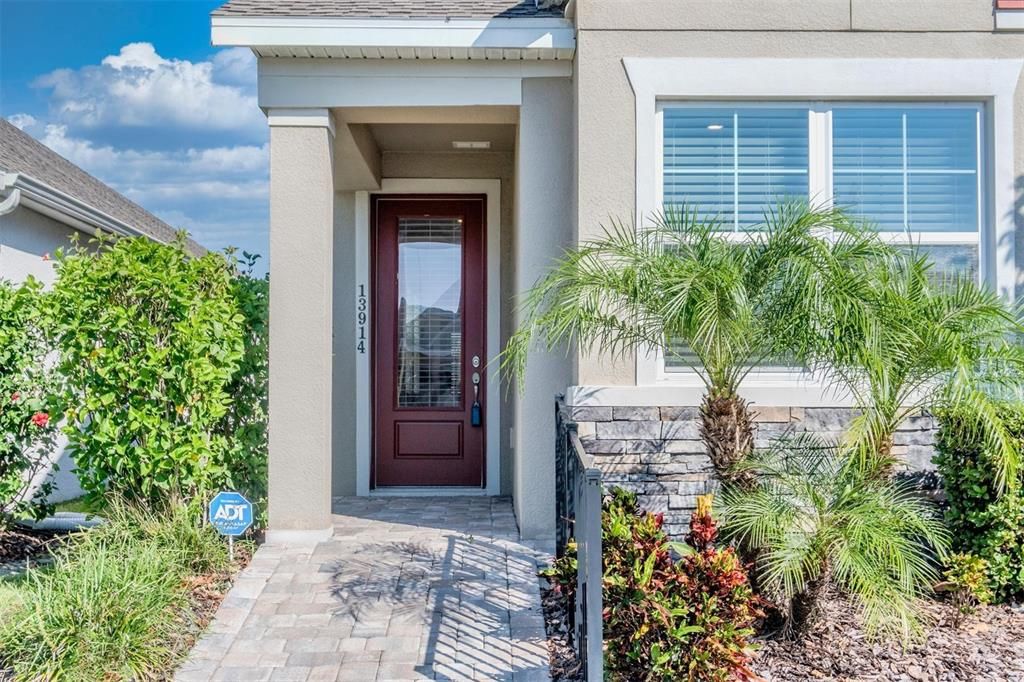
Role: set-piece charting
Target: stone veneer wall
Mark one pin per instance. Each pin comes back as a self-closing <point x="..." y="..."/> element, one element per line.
<point x="657" y="451"/>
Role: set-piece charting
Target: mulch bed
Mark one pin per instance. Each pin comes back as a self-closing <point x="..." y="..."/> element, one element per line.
<point x="20" y="545"/>
<point x="565" y="666"/>
<point x="989" y="645"/>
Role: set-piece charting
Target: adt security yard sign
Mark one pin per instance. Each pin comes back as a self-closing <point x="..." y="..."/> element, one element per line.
<point x="231" y="515"/>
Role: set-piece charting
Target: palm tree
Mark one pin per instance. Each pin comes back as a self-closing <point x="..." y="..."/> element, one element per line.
<point x="924" y="345"/>
<point x="686" y="282"/>
<point x="814" y="520"/>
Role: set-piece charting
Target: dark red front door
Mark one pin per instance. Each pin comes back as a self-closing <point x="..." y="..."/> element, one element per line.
<point x="429" y="340"/>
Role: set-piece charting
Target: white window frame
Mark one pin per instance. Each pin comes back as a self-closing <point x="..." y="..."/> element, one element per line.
<point x="820" y="84"/>
<point x="821" y="188"/>
<point x="986" y="273"/>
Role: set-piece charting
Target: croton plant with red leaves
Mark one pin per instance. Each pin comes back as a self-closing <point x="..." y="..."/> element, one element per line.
<point x="671" y="611"/>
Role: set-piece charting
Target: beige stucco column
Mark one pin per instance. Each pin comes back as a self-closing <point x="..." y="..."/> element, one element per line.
<point x="301" y="248"/>
<point x="544" y="227"/>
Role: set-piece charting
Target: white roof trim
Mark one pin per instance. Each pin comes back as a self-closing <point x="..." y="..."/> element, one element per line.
<point x="44" y="199"/>
<point x="546" y="38"/>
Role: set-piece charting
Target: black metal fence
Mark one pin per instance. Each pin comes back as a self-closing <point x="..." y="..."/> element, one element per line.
<point x="578" y="507"/>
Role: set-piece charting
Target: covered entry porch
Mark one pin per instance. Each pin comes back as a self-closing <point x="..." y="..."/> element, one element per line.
<point x="356" y="311"/>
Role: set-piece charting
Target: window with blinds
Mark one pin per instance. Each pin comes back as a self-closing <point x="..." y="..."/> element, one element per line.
<point x="913" y="169"/>
<point x="429" y="312"/>
<point x="731" y="163"/>
<point x="915" y="172"/>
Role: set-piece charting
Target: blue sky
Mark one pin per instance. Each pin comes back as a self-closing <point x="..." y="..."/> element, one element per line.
<point x="132" y="91"/>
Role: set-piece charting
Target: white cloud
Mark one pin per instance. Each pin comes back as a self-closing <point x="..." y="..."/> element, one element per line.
<point x="25" y="122"/>
<point x="139" y="88"/>
<point x="185" y="140"/>
<point x="235" y="65"/>
<point x="138" y="55"/>
<point x="125" y="165"/>
<point x="219" y="194"/>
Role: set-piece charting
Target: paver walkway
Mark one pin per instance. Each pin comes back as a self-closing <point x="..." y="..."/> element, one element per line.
<point x="407" y="589"/>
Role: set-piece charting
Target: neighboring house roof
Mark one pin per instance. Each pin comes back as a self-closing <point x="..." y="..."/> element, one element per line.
<point x="40" y="173"/>
<point x="394" y="9"/>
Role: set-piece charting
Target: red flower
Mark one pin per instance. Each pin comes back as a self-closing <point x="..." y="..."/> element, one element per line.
<point x="41" y="419"/>
<point x="15" y="396"/>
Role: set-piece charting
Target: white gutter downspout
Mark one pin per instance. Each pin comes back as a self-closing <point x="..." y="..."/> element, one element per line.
<point x="11" y="202"/>
<point x="14" y="198"/>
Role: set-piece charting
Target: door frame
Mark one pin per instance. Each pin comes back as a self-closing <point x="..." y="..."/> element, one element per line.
<point x="364" y="370"/>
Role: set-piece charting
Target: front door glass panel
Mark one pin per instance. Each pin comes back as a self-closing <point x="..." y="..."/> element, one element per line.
<point x="429" y="314"/>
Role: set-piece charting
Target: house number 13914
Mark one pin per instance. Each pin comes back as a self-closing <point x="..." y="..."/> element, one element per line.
<point x="361" y="307"/>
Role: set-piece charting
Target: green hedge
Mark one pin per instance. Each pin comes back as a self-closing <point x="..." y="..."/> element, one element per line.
<point x="982" y="522"/>
<point x="163" y="368"/>
<point x="153" y="362"/>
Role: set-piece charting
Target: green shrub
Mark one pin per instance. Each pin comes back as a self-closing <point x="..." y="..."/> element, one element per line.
<point x="983" y="522"/>
<point x="967" y="580"/>
<point x="245" y="422"/>
<point x="149" y="340"/>
<point x="111" y="606"/>
<point x="26" y="429"/>
<point x="815" y="519"/>
<point x="667" y="618"/>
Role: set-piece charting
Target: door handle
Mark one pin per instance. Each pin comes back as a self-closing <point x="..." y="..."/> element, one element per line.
<point x="475" y="413"/>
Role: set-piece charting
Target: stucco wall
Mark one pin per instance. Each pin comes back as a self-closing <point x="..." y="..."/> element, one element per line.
<point x="25" y="237"/>
<point x="610" y="30"/>
<point x="343" y="384"/>
<point x="785" y="15"/>
<point x="545" y="225"/>
<point x="301" y="251"/>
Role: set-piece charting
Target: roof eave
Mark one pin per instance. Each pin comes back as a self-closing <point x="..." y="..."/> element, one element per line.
<point x="544" y="38"/>
<point x="66" y="209"/>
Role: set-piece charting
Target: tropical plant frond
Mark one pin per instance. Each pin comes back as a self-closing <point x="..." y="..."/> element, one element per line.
<point x="815" y="514"/>
<point x="914" y="343"/>
<point x="985" y="424"/>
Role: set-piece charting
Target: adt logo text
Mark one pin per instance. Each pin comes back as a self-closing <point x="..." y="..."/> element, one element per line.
<point x="230" y="512"/>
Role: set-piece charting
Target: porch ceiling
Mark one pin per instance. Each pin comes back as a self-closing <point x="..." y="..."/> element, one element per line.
<point x="429" y="137"/>
<point x="364" y="135"/>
